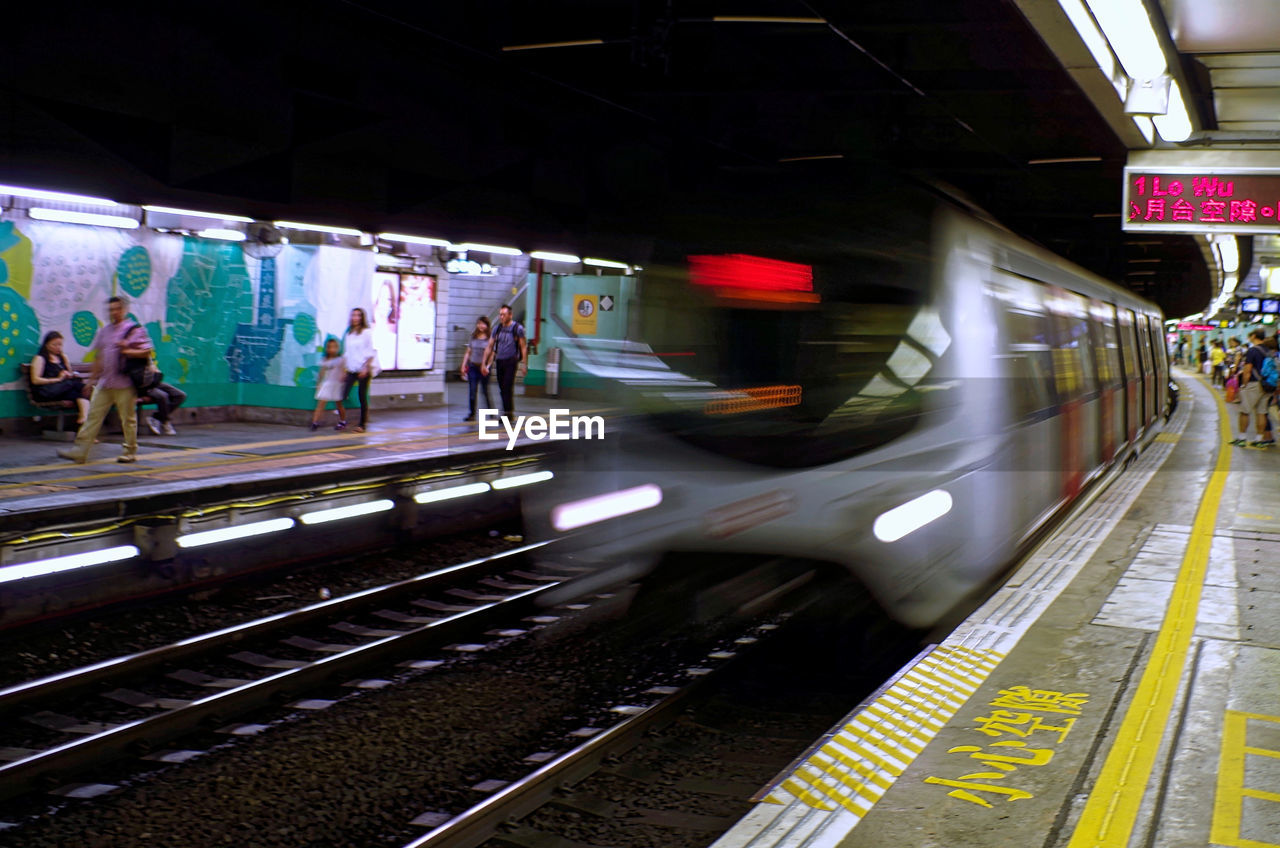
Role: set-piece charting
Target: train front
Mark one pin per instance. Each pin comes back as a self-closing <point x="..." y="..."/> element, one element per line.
<point x="792" y="397"/>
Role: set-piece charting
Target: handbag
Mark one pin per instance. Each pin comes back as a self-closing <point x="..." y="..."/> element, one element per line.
<point x="1233" y="389"/>
<point x="139" y="369"/>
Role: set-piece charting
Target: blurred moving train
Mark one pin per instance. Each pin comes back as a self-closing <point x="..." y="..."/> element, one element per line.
<point x="892" y="383"/>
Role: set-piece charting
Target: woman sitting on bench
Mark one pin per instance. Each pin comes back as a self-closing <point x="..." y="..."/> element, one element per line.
<point x="52" y="378"/>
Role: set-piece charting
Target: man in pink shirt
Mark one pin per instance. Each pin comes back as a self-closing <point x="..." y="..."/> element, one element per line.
<point x="118" y="339"/>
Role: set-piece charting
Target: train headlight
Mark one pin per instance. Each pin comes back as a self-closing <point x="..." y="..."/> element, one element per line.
<point x="569" y="516"/>
<point x="911" y="516"/>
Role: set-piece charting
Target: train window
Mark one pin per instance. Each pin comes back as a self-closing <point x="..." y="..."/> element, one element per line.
<point x="793" y="384"/>
<point x="1103" y="341"/>
<point x="1072" y="365"/>
<point x="1028" y="360"/>
<point x="1128" y="354"/>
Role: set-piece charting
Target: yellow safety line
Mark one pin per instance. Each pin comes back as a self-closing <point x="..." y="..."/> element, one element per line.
<point x="1228" y="802"/>
<point x="165" y="469"/>
<point x="243" y="446"/>
<point x="1112" y="809"/>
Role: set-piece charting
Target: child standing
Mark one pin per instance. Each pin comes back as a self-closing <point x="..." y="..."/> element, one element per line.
<point x="330" y="385"/>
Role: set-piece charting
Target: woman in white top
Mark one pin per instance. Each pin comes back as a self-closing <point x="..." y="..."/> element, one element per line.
<point x="359" y="354"/>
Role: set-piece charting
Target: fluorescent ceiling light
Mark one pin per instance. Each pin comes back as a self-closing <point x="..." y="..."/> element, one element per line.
<point x="349" y="511"/>
<point x="604" y="263"/>
<point x="1176" y="124"/>
<point x="487" y="248"/>
<point x="240" y="531"/>
<point x="92" y="218"/>
<point x="1091" y="36"/>
<point x="1128" y="29"/>
<point x="59" y="196"/>
<point x="224" y="235"/>
<point x="450" y="493"/>
<point x="318" y="228"/>
<point x="554" y="257"/>
<point x="522" y="480"/>
<point x="569" y="516"/>
<point x="911" y="516"/>
<point x="191" y="213"/>
<point x="54" y="565"/>
<point x="401" y="237"/>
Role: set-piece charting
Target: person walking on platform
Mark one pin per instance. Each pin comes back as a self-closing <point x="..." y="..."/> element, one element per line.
<point x="359" y="354"/>
<point x="1253" y="401"/>
<point x="118" y="341"/>
<point x="507" y="351"/>
<point x="473" y="368"/>
<point x="331" y="384"/>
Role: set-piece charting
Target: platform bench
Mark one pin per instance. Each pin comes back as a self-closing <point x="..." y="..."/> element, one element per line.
<point x="60" y="409"/>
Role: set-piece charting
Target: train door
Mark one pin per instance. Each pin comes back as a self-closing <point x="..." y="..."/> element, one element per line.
<point x="1106" y="359"/>
<point x="1028" y="464"/>
<point x="1143" y="331"/>
<point x="1160" y="349"/>
<point x="1076" y="385"/>
<point x="1130" y="375"/>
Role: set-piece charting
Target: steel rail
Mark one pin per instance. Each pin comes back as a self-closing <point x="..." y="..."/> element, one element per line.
<point x="55" y="764"/>
<point x="479" y="823"/>
<point x="85" y="677"/>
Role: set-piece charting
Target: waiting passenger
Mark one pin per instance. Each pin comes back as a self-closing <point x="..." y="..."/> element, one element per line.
<point x="474" y="371"/>
<point x="1217" y="356"/>
<point x="52" y="378"/>
<point x="331" y="384"/>
<point x="359" y="354"/>
<point x="166" y="397"/>
<point x="1253" y="401"/>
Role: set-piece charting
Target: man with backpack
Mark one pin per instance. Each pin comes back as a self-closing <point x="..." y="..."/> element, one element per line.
<point x="1254" y="392"/>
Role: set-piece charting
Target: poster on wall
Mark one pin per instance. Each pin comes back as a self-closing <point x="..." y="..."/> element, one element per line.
<point x="403" y="320"/>
<point x="584" y="314"/>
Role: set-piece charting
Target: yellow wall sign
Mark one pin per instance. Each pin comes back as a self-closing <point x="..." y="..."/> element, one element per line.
<point x="585" y="309"/>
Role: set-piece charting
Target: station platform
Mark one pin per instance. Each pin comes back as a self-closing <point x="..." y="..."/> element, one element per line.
<point x="34" y="479"/>
<point x="1122" y="688"/>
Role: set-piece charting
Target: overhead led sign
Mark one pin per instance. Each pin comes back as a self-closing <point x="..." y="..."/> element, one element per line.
<point x="1202" y="202"/>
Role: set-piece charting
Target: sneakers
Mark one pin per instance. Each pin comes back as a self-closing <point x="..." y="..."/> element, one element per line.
<point x="168" y="429"/>
<point x="341" y="425"/>
<point x="471" y="417"/>
<point x="1263" y="443"/>
<point x="1239" y="443"/>
<point x="66" y="454"/>
<point x="315" y="425"/>
<point x="126" y="458"/>
<point x="153" y="425"/>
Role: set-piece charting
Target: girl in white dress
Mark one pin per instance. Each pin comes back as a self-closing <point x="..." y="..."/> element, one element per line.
<point x="331" y="385"/>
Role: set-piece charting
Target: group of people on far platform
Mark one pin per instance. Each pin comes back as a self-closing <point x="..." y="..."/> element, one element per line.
<point x="124" y="370"/>
<point x="1250" y="377"/>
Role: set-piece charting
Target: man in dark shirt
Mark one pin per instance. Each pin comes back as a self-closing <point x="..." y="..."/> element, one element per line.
<point x="1253" y="401"/>
<point x="508" y="350"/>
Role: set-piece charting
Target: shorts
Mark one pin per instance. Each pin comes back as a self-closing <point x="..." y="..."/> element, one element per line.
<point x="1253" y="401"/>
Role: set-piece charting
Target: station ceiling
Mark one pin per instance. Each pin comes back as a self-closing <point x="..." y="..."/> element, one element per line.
<point x="412" y="117"/>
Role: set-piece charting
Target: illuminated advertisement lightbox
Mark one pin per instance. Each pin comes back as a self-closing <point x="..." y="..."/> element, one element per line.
<point x="403" y="320"/>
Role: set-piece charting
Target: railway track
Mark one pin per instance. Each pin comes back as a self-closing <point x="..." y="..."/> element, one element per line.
<point x="65" y="724"/>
